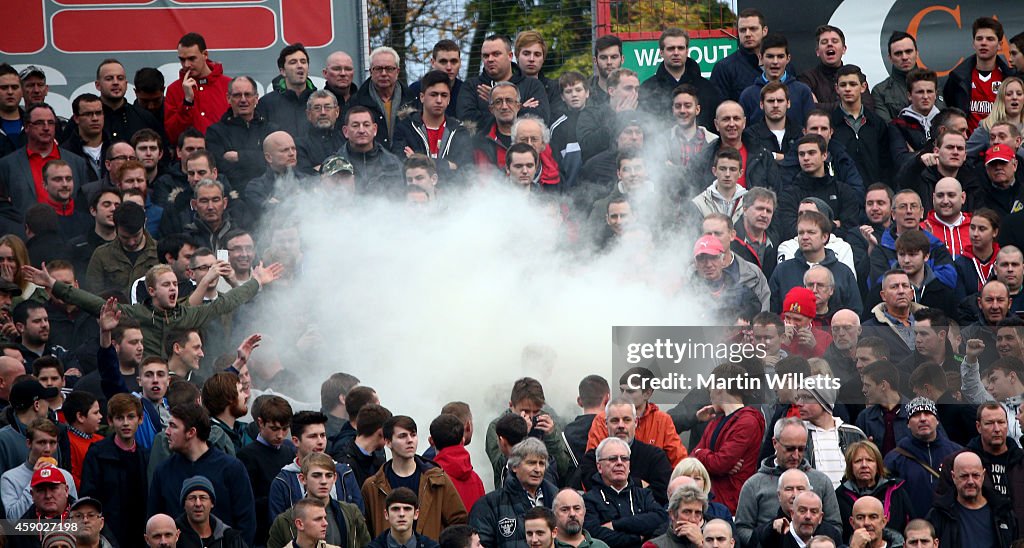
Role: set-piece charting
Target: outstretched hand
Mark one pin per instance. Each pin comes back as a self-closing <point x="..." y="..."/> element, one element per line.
<point x="252" y="342"/>
<point x="110" y="315"/>
<point x="266" y="275"/>
<point x="38" y="276"/>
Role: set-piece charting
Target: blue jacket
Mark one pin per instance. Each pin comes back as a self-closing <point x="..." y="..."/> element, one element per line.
<point x="920" y="483"/>
<point x="790" y="274"/>
<point x="884" y="257"/>
<point x="235" y="504"/>
<point x="734" y="73"/>
<point x="801" y="99"/>
<point x="112" y="383"/>
<point x="872" y="422"/>
<point x="286" y="490"/>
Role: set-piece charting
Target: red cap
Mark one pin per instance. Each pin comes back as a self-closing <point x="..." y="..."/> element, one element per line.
<point x="800" y="300"/>
<point x="708" y="245"/>
<point x="47" y="474"/>
<point x="1001" y="153"/>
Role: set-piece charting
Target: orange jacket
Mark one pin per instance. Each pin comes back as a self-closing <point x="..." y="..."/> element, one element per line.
<point x="655" y="428"/>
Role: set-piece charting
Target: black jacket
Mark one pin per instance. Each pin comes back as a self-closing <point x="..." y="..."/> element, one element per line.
<point x="122" y="123"/>
<point x="760" y="134"/>
<point x="471" y="108"/>
<point x="245" y="138"/>
<point x="285" y="108"/>
<point x="378" y="171"/>
<point x="164" y="186"/>
<point x="839" y="164"/>
<point x="364" y="98"/>
<point x="734" y="73"/>
<point x="456" y="144"/>
<point x="363" y="466"/>
<point x="894" y="497"/>
<point x="767" y="537"/>
<point x="841" y="197"/>
<point x="760" y="170"/>
<point x="634" y="514"/>
<point x="656" y="93"/>
<point x="223" y="536"/>
<point x="498" y="516"/>
<point x="1003" y="201"/>
<point x="314" y="146"/>
<point x="118" y="479"/>
<point x="944" y="516"/>
<point x="915" y="176"/>
<point x="647" y="463"/>
<point x="957" y="91"/>
<point x="868" y="147"/>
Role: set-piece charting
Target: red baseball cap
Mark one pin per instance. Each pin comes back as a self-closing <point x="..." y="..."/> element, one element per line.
<point x="1000" y="153"/>
<point x="47" y="474"/>
<point x="708" y="245"/>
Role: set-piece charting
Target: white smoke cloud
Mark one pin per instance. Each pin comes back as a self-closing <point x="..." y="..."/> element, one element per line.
<point x="430" y="307"/>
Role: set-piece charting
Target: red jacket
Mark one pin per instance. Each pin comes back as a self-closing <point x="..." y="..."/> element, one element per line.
<point x="209" y="104"/>
<point x="739" y="438"/>
<point x="455" y="462"/>
<point x="957" y="239"/>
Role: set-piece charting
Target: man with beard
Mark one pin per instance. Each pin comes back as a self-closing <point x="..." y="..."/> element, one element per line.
<point x="198" y="98"/>
<point x="971" y="515"/>
<point x="224" y="399"/>
<point x="32" y="321"/>
<point x="321" y="137"/>
<point x="569" y="515"/>
<point x="774" y="130"/>
<point x="734" y="73"/>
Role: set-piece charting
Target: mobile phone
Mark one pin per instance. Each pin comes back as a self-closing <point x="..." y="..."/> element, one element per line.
<point x="222" y="254"/>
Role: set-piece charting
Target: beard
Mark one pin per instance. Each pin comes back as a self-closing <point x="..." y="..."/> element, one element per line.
<point x="238" y="410"/>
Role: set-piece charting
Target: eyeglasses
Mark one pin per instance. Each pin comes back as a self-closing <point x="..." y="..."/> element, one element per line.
<point x="390" y="70"/>
<point x="86" y="515"/>
<point x="197" y="498"/>
<point x="123" y="158"/>
<point x="322" y="108"/>
<point x="200" y="268"/>
<point x="911" y="207"/>
<point x="794" y="448"/>
<point x="615" y="458"/>
<point x="246" y="95"/>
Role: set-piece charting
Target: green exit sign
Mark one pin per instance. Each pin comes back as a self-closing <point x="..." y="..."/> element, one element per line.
<point x="643" y="56"/>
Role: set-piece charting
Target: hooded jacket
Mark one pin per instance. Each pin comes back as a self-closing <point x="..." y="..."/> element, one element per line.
<point x="920" y="483"/>
<point x="956" y="236"/>
<point x="498" y="516"/>
<point x="440" y="505"/>
<point x="286" y="490"/>
<point x="893" y="494"/>
<point x="209" y="103"/>
<point x="456" y="463"/>
<point x="285" y="108"/>
<point x="223" y="536"/>
<point x="909" y="129"/>
<point x="711" y="201"/>
<point x="790" y="273"/>
<point x="654" y="427"/>
<point x="634" y="514"/>
<point x="471" y="108"/>
<point x="883" y="258"/>
<point x="801" y="99"/>
<point x="944" y="516"/>
<point x="759" y="498"/>
<point x="656" y="92"/>
<point x="456" y="143"/>
<point x="737" y="439"/>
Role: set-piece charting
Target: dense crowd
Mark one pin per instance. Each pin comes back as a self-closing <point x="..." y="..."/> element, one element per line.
<point x="867" y="233"/>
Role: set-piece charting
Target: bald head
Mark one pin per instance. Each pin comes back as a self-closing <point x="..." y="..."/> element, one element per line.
<point x="10" y="369"/>
<point x="679" y="482"/>
<point x="718" y="534"/>
<point x="846" y="317"/>
<point x="567" y="496"/>
<point x="867" y="504"/>
<point x="948" y="183"/>
<point x="161" y="532"/>
<point x="967" y="459"/>
<point x="279" y="151"/>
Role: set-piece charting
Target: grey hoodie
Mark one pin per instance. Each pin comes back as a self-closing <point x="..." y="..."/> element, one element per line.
<point x="759" y="498"/>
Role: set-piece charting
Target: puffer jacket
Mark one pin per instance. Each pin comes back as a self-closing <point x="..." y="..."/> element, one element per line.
<point x="839" y="195"/>
<point x="286" y="108"/>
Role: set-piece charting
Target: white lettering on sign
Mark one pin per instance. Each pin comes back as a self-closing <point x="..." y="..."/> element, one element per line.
<point x="649" y="57"/>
